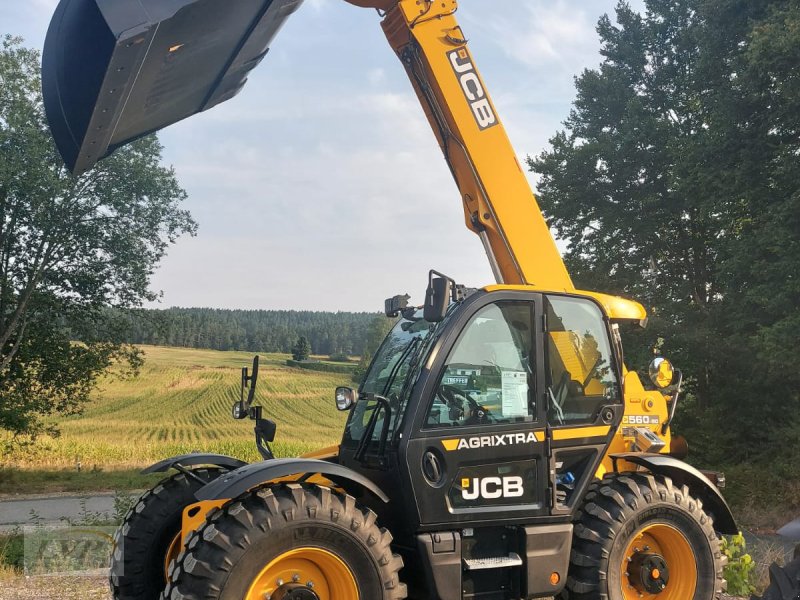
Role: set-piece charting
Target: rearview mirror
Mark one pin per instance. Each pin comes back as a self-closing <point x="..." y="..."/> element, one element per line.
<point x="661" y="372"/>
<point x="437" y="299"/>
<point x="345" y="398"/>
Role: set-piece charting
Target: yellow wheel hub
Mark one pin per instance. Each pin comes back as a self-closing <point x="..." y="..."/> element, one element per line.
<point x="305" y="573"/>
<point x="659" y="563"/>
<point x="172" y="553"/>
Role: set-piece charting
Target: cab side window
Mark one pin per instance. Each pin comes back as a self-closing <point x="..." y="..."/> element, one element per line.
<point x="581" y="377"/>
<point x="488" y="377"/>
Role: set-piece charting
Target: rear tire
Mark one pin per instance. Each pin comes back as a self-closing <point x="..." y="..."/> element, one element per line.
<point x="147" y="534"/>
<point x="640" y="536"/>
<point x="784" y="582"/>
<point x="288" y="541"/>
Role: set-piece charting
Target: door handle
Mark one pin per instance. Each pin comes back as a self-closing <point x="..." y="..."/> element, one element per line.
<point x="432" y="468"/>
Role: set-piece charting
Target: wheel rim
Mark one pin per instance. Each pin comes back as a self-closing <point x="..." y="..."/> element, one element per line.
<point x="304" y="573"/>
<point x="172" y="553"/>
<point x="659" y="557"/>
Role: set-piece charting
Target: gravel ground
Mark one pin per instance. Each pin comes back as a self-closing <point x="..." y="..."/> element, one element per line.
<point x="54" y="588"/>
<point x="80" y="588"/>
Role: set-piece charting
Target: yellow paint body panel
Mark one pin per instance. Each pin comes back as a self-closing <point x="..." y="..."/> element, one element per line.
<point x="576" y="433"/>
<point x="323" y="453"/>
<point x="195" y="514"/>
<point x="642" y="409"/>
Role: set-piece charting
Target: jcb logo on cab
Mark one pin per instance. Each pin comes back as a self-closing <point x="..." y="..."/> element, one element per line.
<point x="491" y="488"/>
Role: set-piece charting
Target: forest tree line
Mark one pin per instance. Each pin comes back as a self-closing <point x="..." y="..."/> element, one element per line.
<point x="329" y="333"/>
<point x="675" y="181"/>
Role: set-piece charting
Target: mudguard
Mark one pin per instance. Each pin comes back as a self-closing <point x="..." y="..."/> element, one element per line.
<point x="194" y="459"/>
<point x="684" y="474"/>
<point x="115" y="70"/>
<point x="246" y="478"/>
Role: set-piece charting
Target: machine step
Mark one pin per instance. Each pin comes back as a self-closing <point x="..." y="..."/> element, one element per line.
<point x="495" y="562"/>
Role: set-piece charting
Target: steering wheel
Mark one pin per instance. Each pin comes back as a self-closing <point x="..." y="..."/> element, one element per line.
<point x="451" y="394"/>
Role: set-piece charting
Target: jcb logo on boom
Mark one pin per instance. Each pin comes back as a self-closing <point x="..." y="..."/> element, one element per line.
<point x="473" y="88"/>
<point x="491" y="488"/>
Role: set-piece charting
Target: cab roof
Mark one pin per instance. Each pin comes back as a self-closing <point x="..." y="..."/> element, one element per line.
<point x="615" y="307"/>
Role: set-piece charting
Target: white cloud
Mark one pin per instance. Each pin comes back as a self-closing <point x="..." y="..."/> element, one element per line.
<point x="376" y="76"/>
<point x="543" y="33"/>
<point x="318" y="5"/>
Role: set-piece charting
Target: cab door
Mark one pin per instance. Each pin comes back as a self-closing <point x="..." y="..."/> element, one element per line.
<point x="476" y="451"/>
<point x="583" y="392"/>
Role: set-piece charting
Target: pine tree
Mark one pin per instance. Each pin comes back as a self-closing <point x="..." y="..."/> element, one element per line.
<point x="302" y="349"/>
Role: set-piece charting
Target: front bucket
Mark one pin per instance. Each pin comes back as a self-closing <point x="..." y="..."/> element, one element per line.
<point x="115" y="70"/>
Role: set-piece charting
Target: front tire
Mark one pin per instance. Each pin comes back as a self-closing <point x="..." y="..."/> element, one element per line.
<point x="149" y="537"/>
<point x="639" y="536"/>
<point x="289" y="541"/>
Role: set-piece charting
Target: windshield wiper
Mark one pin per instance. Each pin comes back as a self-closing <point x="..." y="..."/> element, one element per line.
<point x="396" y="369"/>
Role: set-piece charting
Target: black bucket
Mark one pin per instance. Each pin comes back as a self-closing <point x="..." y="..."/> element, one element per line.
<point x="115" y="70"/>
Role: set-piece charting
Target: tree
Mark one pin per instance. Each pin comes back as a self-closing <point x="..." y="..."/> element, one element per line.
<point x="302" y="349"/>
<point x="675" y="182"/>
<point x="378" y="329"/>
<point x="70" y="247"/>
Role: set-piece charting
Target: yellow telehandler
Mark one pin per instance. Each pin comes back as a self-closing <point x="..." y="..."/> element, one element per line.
<point x="498" y="448"/>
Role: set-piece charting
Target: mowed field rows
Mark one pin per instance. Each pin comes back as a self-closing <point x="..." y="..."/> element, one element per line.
<point x="181" y="402"/>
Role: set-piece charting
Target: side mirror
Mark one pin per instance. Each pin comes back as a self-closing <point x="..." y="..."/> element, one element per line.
<point x="437" y="299"/>
<point x="661" y="372"/>
<point x="240" y="411"/>
<point x="345" y="398"/>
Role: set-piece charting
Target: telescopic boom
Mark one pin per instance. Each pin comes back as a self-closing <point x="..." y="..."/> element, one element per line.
<point x="115" y="70"/>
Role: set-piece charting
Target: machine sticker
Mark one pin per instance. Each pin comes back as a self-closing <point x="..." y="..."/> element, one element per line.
<point x="473" y="88"/>
<point x="497" y="484"/>
<point x="491" y="488"/>
<point x="640" y="420"/>
<point x="490" y="441"/>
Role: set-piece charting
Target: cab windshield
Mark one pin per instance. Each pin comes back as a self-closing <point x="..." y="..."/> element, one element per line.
<point x="391" y="375"/>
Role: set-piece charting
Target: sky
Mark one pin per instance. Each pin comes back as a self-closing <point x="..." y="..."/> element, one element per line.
<point x="321" y="186"/>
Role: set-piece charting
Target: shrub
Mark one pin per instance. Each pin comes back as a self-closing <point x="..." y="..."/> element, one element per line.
<point x="12" y="551"/>
<point x="739" y="570"/>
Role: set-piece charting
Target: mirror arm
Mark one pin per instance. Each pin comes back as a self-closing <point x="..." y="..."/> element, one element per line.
<point x="672" y="408"/>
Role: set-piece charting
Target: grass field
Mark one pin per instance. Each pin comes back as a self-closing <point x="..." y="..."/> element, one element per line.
<point x="181" y="402"/>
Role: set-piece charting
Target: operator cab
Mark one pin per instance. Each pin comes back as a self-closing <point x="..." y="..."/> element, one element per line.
<point x="511" y="386"/>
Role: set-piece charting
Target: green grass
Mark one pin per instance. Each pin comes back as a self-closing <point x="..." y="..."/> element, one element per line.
<point x="181" y="402"/>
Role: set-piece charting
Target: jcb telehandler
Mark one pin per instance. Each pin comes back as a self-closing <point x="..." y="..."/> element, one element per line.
<point x="498" y="447"/>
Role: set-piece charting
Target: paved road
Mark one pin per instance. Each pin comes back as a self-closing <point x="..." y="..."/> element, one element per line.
<point x="54" y="510"/>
